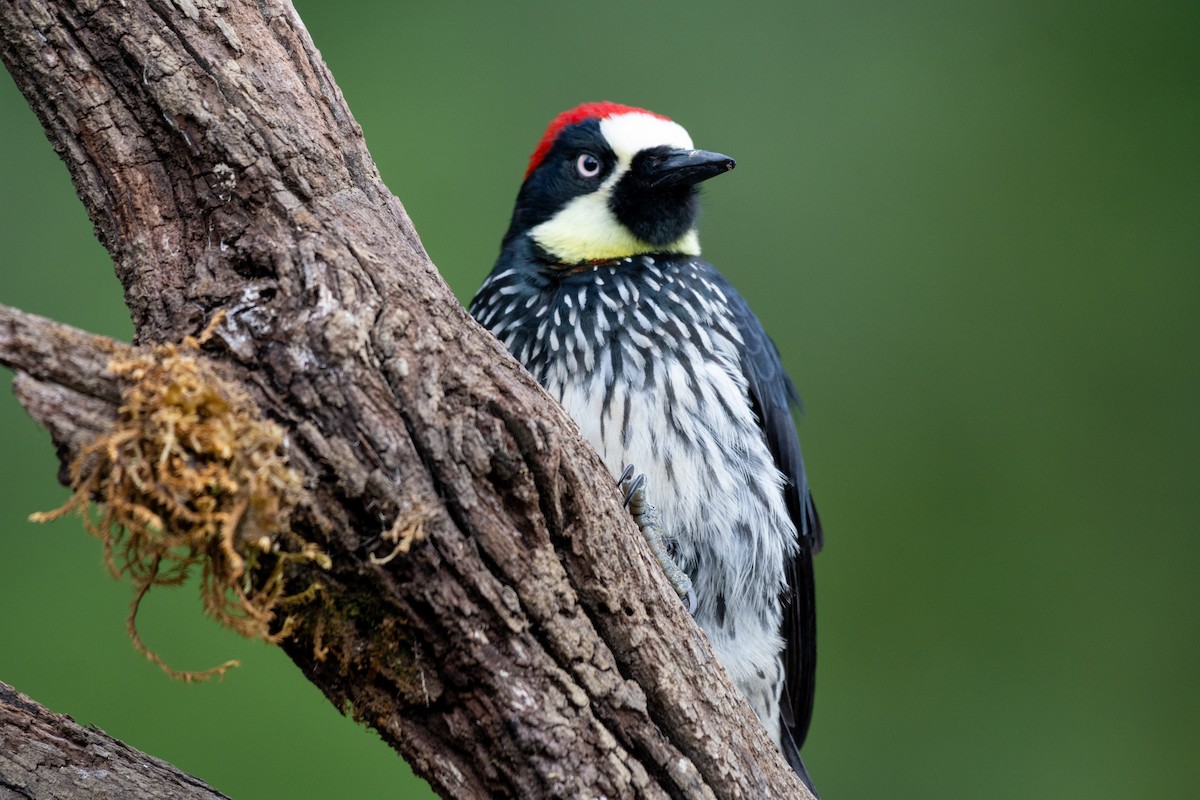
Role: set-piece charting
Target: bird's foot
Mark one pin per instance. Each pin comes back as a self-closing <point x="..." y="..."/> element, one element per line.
<point x="649" y="522"/>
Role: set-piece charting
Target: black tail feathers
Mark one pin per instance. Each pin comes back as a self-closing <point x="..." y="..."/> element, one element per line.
<point x="792" y="754"/>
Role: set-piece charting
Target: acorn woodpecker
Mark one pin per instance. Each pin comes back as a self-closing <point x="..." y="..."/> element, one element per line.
<point x="601" y="293"/>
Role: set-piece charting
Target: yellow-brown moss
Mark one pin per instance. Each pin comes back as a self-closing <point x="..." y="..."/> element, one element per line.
<point x="191" y="476"/>
<point x="407" y="529"/>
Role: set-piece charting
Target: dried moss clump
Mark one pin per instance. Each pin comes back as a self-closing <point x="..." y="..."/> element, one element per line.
<point x="191" y="476"/>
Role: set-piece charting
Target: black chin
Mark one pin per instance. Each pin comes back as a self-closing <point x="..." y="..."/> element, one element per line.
<point x="656" y="199"/>
<point x="656" y="216"/>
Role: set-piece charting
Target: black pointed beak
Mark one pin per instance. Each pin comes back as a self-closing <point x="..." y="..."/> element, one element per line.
<point x="683" y="167"/>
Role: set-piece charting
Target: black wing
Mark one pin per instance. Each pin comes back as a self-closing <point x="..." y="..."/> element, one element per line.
<point x="773" y="395"/>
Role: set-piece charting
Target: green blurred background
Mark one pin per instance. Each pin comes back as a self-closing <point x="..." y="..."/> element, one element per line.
<point x="974" y="231"/>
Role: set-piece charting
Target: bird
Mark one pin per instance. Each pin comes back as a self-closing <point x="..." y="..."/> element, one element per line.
<point x="600" y="292"/>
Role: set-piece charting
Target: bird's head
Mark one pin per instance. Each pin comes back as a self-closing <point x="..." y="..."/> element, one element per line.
<point x="609" y="181"/>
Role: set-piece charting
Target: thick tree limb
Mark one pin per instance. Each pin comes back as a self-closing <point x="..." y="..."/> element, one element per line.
<point x="43" y="754"/>
<point x="527" y="646"/>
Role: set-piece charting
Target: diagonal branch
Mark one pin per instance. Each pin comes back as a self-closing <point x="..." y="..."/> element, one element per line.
<point x="35" y="744"/>
<point x="527" y="645"/>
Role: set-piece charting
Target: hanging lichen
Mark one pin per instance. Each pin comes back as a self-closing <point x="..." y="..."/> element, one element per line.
<point x="191" y="476"/>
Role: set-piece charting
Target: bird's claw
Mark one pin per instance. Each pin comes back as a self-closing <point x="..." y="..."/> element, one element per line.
<point x="649" y="522"/>
<point x="635" y="490"/>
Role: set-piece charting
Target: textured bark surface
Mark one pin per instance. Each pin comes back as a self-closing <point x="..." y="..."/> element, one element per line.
<point x="528" y="645"/>
<point x="43" y="754"/>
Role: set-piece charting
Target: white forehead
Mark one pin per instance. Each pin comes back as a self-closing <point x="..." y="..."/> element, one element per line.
<point x="627" y="134"/>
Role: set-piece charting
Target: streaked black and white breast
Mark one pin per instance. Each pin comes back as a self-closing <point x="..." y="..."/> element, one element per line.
<point x="645" y="353"/>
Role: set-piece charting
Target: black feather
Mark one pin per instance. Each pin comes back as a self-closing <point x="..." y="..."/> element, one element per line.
<point x="773" y="395"/>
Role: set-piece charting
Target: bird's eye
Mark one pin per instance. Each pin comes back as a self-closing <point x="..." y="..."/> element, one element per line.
<point x="587" y="165"/>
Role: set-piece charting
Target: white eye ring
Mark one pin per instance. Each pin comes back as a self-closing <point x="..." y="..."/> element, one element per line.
<point x="587" y="165"/>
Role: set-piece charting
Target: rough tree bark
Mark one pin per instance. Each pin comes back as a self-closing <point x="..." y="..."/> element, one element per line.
<point x="43" y="754"/>
<point x="527" y="645"/>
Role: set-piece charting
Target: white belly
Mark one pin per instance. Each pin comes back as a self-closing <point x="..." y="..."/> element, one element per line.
<point x="705" y="459"/>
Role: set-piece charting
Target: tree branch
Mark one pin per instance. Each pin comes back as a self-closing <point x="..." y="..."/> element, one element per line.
<point x="43" y="754"/>
<point x="528" y="645"/>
